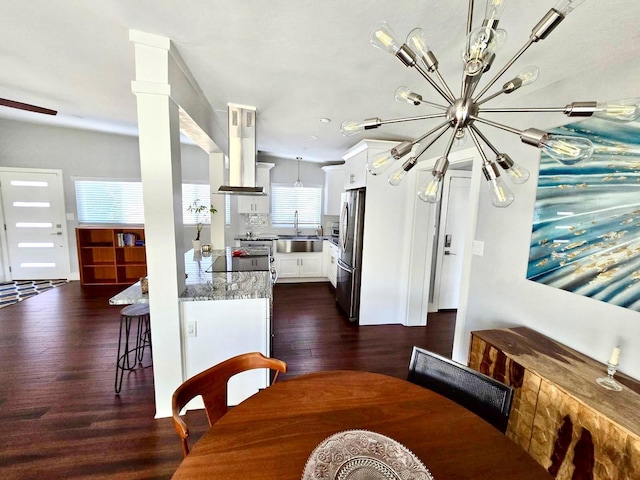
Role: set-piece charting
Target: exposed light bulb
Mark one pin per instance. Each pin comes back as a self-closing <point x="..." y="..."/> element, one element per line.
<point x="431" y="192"/>
<point x="482" y="43"/>
<point x="418" y="43"/>
<point x="383" y="37"/>
<point x="626" y="110"/>
<point x="527" y="76"/>
<point x="562" y="148"/>
<point x="517" y="173"/>
<point x="403" y="94"/>
<point x="396" y="177"/>
<point x="565" y="7"/>
<point x="566" y="149"/>
<point x="351" y="128"/>
<point x="501" y="195"/>
<point x="494" y="9"/>
<point x="416" y="40"/>
<point x="380" y="162"/>
<point x="461" y="137"/>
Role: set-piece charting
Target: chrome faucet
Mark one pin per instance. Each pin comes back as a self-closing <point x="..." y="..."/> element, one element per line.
<point x="295" y="223"/>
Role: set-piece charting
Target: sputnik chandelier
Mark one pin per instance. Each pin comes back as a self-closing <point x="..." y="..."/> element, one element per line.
<point x="463" y="114"/>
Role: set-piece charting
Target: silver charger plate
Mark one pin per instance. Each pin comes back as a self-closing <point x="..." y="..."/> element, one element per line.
<point x="360" y="455"/>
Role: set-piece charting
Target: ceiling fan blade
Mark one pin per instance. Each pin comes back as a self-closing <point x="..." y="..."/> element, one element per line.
<point x="25" y="106"/>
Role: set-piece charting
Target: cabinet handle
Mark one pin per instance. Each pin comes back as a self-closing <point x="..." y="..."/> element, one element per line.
<point x="352" y="178"/>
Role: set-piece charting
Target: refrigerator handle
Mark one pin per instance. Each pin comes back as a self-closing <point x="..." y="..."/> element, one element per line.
<point x="344" y="225"/>
<point x="345" y="267"/>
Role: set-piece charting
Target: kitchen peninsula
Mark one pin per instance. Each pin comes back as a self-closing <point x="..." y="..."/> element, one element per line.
<point x="225" y="310"/>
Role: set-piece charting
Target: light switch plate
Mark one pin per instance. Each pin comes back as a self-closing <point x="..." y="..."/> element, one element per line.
<point x="477" y="248"/>
<point x="70" y="216"/>
<point x="192" y="330"/>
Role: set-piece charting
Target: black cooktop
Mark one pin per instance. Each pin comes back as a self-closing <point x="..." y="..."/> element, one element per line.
<point x="240" y="263"/>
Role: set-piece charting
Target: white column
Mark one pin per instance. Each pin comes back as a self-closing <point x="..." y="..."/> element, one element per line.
<point x="168" y="98"/>
<point x="216" y="178"/>
<point x="162" y="185"/>
<point x="159" y="138"/>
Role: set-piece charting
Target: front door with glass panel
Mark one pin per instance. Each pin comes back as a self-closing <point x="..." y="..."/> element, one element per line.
<point x="36" y="237"/>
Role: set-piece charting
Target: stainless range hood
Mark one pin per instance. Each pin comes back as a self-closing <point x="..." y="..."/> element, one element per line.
<point x="242" y="152"/>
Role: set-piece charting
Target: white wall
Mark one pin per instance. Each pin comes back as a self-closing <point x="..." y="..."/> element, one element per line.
<point x="83" y="153"/>
<point x="285" y="171"/>
<point x="499" y="295"/>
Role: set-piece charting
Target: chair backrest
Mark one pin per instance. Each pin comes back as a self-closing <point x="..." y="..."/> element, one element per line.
<point x="211" y="384"/>
<point x="483" y="395"/>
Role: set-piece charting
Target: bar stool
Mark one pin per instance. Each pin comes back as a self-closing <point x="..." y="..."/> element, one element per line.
<point x="140" y="313"/>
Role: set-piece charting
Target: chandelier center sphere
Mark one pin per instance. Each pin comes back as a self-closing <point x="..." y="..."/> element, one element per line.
<point x="460" y="113"/>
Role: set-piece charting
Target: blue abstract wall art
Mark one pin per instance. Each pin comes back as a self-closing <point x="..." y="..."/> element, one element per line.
<point x="586" y="227"/>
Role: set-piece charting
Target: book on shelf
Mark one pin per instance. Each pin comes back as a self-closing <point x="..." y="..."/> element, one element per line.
<point x="127" y="239"/>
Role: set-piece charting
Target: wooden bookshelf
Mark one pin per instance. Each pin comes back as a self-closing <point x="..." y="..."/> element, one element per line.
<point x="106" y="258"/>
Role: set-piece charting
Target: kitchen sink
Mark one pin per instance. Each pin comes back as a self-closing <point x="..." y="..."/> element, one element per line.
<point x="298" y="237"/>
<point x="298" y="244"/>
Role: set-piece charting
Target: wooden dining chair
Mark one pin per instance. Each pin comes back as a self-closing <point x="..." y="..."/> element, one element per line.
<point x="483" y="395"/>
<point x="211" y="384"/>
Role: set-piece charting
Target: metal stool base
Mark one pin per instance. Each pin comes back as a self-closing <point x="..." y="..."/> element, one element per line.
<point x="140" y="313"/>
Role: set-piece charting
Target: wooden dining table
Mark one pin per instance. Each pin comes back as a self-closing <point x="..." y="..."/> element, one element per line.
<point x="271" y="434"/>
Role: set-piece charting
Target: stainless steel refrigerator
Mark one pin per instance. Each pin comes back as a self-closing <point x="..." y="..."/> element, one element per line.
<point x="350" y="253"/>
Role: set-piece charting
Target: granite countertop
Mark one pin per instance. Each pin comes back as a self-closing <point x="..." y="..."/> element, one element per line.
<point x="257" y="237"/>
<point x="132" y="294"/>
<point x="268" y="237"/>
<point x="202" y="285"/>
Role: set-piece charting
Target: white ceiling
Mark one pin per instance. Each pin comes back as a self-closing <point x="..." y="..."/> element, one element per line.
<point x="295" y="60"/>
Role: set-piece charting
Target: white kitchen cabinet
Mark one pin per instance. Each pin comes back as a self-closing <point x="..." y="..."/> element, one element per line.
<point x="257" y="203"/>
<point x="215" y="330"/>
<point x="299" y="265"/>
<point x="333" y="188"/>
<point x="355" y="172"/>
<point x="331" y="261"/>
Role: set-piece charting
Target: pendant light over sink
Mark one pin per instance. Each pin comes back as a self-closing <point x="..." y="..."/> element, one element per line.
<point x="298" y="183"/>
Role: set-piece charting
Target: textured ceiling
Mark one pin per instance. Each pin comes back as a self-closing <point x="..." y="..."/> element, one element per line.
<point x="295" y="60"/>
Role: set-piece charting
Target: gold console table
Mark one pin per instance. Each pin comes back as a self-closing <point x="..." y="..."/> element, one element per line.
<point x="567" y="422"/>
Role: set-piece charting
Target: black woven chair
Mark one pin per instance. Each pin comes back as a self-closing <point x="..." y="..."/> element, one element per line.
<point x="475" y="391"/>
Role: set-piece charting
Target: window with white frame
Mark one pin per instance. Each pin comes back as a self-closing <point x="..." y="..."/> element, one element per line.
<point x="120" y="201"/>
<point x="286" y="200"/>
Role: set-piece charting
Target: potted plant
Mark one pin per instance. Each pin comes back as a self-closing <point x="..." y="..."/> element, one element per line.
<point x="199" y="209"/>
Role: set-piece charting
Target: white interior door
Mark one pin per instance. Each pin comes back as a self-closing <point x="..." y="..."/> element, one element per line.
<point x="422" y="269"/>
<point x="453" y="224"/>
<point x="35" y="229"/>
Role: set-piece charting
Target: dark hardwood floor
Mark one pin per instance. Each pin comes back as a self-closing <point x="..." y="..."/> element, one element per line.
<point x="60" y="419"/>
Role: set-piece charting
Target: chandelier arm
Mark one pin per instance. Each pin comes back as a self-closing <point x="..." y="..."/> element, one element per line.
<point x="490" y="97"/>
<point x="411" y="119"/>
<point x="426" y="76"/>
<point x="444" y="84"/>
<point x="485" y="139"/>
<point x="435" y="105"/>
<point x="470" y="17"/>
<point x="525" y="110"/>
<point x="497" y="125"/>
<point x="449" y="146"/>
<point x="485" y="160"/>
<point x="434" y="140"/>
<point x="505" y="68"/>
<point x="431" y="132"/>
